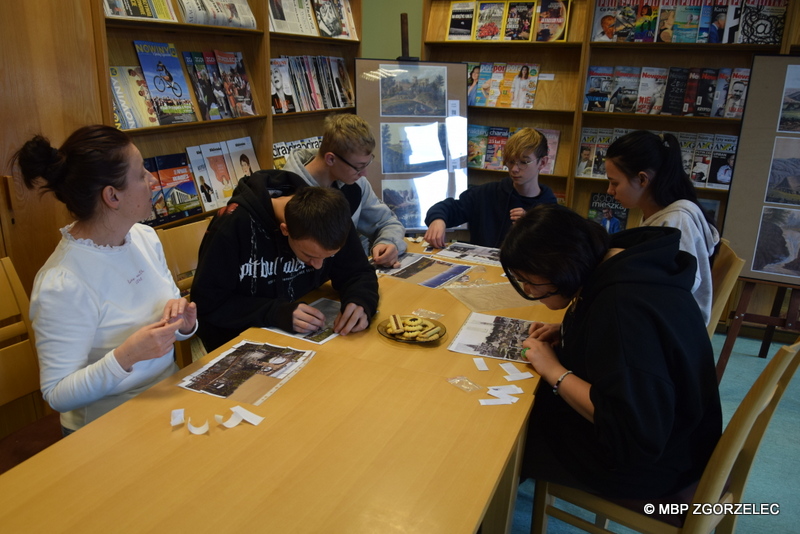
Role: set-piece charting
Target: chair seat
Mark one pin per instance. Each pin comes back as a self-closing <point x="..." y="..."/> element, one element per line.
<point x="29" y="440"/>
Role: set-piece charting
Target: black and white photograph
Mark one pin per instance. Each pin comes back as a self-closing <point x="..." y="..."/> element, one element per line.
<point x="778" y="245"/>
<point x="491" y="336"/>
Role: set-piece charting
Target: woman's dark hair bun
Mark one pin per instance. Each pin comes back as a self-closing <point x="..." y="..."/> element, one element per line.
<point x="39" y="159"/>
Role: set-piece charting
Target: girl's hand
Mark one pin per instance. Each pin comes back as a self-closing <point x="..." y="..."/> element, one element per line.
<point x="180" y="313"/>
<point x="546" y="332"/>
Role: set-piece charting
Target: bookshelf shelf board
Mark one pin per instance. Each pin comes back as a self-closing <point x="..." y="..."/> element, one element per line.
<point x="295" y="37"/>
<point x="157" y="130"/>
<point x="178" y="27"/>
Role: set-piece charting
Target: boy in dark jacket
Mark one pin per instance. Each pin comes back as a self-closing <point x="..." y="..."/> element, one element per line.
<point x="275" y="241"/>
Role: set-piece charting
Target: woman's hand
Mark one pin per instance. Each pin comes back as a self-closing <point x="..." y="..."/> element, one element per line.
<point x="543" y="359"/>
<point x="546" y="332"/>
<point x="180" y="313"/>
<point x="435" y="233"/>
<point x="149" y="342"/>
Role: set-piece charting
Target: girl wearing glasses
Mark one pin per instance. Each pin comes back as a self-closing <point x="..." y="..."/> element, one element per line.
<point x="633" y="409"/>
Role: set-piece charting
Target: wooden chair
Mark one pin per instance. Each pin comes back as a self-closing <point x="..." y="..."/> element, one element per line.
<point x="723" y="480"/>
<point x="181" y="245"/>
<point x="724" y="273"/>
<point x="28" y="424"/>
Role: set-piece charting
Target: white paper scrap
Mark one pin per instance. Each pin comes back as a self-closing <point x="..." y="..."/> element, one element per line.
<point x="518" y="376"/>
<point x="480" y="363"/>
<point x="232" y="421"/>
<point x="510" y="368"/>
<point x="248" y="416"/>
<point x="176" y="418"/>
<point x="510" y="398"/>
<point x="492" y="402"/>
<point x="197" y="430"/>
<point x="507" y="390"/>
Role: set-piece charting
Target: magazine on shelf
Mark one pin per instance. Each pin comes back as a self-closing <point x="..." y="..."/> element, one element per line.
<point x="248" y="372"/>
<point x="518" y="87"/>
<point x="704" y="25"/>
<point x="625" y="27"/>
<point x="763" y="22"/>
<point x="553" y="137"/>
<point x="605" y="16"/>
<point x="147" y="9"/>
<point x="495" y="84"/>
<point x="706" y="89"/>
<point x="132" y="98"/>
<point x="646" y="22"/>
<point x="551" y="20"/>
<point x="603" y="140"/>
<point x="625" y="89"/>
<point x="177" y="185"/>
<point x="207" y="98"/>
<point x="687" y="141"/>
<point x="341" y="80"/>
<point x="690" y="95"/>
<point x="490" y="18"/>
<point x="236" y="83"/>
<point x="484" y="83"/>
<point x="495" y="145"/>
<point x="210" y="60"/>
<point x="722" y="161"/>
<point x="233" y="13"/>
<point x="586" y="152"/>
<point x="599" y="80"/>
<point x="701" y="163"/>
<point x="209" y="197"/>
<point x="652" y="86"/>
<point x="243" y="157"/>
<point x="279" y="153"/>
<point x="332" y="19"/>
<point x="519" y="21"/>
<point x="169" y="89"/>
<point x="737" y="93"/>
<point x="733" y="22"/>
<point x="477" y="140"/>
<point x="666" y="20"/>
<point x="219" y="169"/>
<point x="721" y="92"/>
<point x="295" y="17"/>
<point x="194" y="11"/>
<point x="687" y="20"/>
<point x="605" y="210"/>
<point x="159" y="214"/>
<point x="676" y="91"/>
<point x="462" y="17"/>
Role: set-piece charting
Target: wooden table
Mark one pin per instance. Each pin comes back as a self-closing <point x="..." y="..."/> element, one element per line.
<point x="368" y="437"/>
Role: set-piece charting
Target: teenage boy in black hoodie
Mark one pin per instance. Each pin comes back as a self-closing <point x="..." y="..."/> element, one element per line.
<point x="276" y="240"/>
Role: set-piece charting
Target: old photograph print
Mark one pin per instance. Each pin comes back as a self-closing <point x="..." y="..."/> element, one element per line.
<point x="778" y="242"/>
<point x="789" y="120"/>
<point x="414" y="91"/>
<point x="783" y="186"/>
<point x="414" y="148"/>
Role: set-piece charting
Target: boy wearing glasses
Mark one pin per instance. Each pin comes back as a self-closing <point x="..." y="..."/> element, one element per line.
<point x="341" y="162"/>
<point x="490" y="209"/>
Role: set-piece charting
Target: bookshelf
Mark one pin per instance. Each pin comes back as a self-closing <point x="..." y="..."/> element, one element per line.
<point x="559" y="102"/>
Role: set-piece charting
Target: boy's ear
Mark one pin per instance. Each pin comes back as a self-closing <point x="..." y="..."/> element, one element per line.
<point x="329" y="158"/>
<point x="284" y="229"/>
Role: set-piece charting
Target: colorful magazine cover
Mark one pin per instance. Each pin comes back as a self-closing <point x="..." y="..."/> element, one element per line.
<point x="219" y="171"/>
<point x="605" y="17"/>
<point x="214" y="102"/>
<point x="721" y="92"/>
<point x="484" y="83"/>
<point x="495" y="146"/>
<point x="553" y="137"/>
<point x="599" y="80"/>
<point x="551" y="20"/>
<point x="603" y="140"/>
<point x="703" y="150"/>
<point x="235" y="82"/>
<point x="687" y="21"/>
<point x="132" y="98"/>
<point x="688" y="141"/>
<point x="169" y="89"/>
<point x="491" y="16"/>
<point x="652" y="86"/>
<point x="666" y="20"/>
<point x="177" y="184"/>
<point x="477" y="139"/>
<point x="586" y="152"/>
<point x="159" y="214"/>
<point x="646" y="22"/>
<point x="624" y="91"/>
<point x="722" y="161"/>
<point x="243" y="157"/>
<point x="208" y="196"/>
<point x="737" y="93"/>
<point x="519" y="21"/>
<point x="605" y="210"/>
<point x="216" y="84"/>
<point x="625" y="26"/>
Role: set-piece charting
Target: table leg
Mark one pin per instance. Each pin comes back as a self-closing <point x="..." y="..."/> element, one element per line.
<point x="733" y="329"/>
<point x="500" y="512"/>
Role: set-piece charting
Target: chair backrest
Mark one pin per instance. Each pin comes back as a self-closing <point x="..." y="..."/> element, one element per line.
<point x="181" y="245"/>
<point x="19" y="368"/>
<point x="734" y="454"/>
<point x="724" y="273"/>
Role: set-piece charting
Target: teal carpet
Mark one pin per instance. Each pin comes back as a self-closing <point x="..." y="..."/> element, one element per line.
<point x="775" y="476"/>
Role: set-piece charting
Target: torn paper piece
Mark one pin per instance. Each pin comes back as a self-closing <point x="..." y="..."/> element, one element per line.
<point x="509" y="398"/>
<point x="492" y="402"/>
<point x="510" y="368"/>
<point x="480" y="363"/>
<point x="197" y="430"/>
<point x="518" y="376"/>
<point x="176" y="418"/>
<point x="506" y="390"/>
<point x="247" y="415"/>
<point x="232" y="421"/>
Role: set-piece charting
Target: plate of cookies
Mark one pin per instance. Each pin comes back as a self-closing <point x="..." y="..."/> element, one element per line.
<point x="411" y="329"/>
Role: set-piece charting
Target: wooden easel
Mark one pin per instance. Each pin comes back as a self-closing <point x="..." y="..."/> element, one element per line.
<point x="790" y="322"/>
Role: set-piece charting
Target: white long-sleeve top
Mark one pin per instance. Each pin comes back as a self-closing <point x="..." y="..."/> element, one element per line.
<point x="88" y="299"/>
<point x="698" y="238"/>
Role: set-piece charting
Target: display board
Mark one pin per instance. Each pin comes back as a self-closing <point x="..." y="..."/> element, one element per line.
<point x="418" y="114"/>
<point x="762" y="221"/>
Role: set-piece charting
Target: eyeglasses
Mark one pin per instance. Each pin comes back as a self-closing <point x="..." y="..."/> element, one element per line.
<point x="357" y="169"/>
<point x="519" y="285"/>
<point x="523" y="164"/>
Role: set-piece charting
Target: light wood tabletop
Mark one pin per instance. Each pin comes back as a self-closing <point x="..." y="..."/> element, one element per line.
<point x="368" y="437"/>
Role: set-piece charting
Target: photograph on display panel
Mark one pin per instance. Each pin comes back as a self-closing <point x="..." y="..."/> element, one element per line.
<point x="789" y="120"/>
<point x="417" y="114"/>
<point x="762" y="220"/>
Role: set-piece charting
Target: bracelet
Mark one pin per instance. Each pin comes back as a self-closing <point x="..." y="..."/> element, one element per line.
<point x="558" y="382"/>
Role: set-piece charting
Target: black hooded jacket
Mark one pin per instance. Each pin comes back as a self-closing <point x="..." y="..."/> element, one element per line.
<point x="637" y="336"/>
<point x="248" y="276"/>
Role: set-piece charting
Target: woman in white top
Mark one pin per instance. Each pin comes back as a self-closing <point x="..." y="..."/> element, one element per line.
<point x="520" y="87"/>
<point x="645" y="171"/>
<point x="104" y="307"/>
